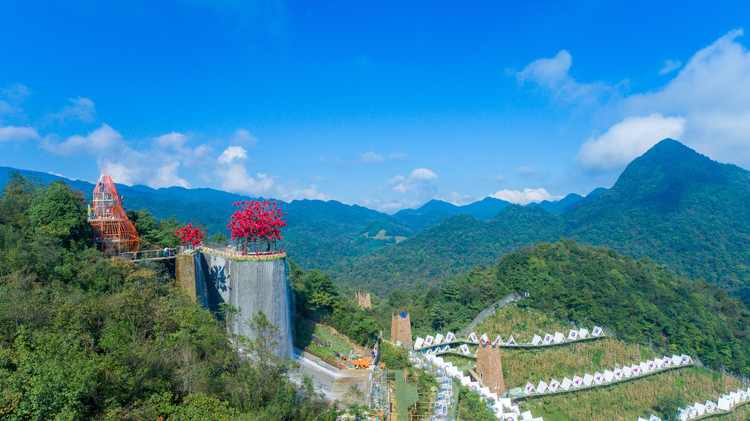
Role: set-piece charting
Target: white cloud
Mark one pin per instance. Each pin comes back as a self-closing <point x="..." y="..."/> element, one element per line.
<point x="458" y="199"/>
<point x="628" y="139"/>
<point x="172" y="140"/>
<point x="17" y="133"/>
<point x="670" y="66"/>
<point x="705" y="104"/>
<point x="553" y="74"/>
<point x="243" y="137"/>
<point x="234" y="178"/>
<point x="104" y="138"/>
<point x="418" y="179"/>
<point x="80" y="108"/>
<point x="372" y="157"/>
<point x="119" y="172"/>
<point x="525" y="196"/>
<point x="231" y="154"/>
<point x="166" y="176"/>
<point x="309" y="192"/>
<point x="16" y="92"/>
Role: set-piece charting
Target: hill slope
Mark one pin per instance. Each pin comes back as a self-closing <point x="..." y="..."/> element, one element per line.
<point x="672" y="204"/>
<point x="454" y="246"/>
<point x="319" y="234"/>
<point x="641" y="302"/>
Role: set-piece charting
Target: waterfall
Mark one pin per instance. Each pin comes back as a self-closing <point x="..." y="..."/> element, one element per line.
<point x="250" y="287"/>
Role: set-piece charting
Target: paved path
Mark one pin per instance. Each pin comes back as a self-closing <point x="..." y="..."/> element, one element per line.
<point x="489" y="311"/>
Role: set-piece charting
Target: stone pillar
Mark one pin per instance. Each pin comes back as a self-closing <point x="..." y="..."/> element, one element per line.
<point x="401" y="329"/>
<point x="490" y="368"/>
<point x="185" y="274"/>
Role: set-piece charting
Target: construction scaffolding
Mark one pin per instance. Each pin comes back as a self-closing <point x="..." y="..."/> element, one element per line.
<point x="114" y="233"/>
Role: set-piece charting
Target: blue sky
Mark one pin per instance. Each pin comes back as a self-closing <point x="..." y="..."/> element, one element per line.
<point x="384" y="105"/>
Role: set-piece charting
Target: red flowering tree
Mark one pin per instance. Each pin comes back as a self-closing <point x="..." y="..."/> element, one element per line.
<point x="190" y="235"/>
<point x="256" y="223"/>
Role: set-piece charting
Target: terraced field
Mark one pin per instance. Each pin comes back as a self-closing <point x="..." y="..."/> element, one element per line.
<point x="661" y="394"/>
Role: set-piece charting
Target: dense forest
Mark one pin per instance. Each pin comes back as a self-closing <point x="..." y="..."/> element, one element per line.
<point x="83" y="336"/>
<point x="638" y="300"/>
<point x="672" y="204"/>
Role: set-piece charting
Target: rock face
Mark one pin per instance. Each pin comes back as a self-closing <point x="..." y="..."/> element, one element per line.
<point x="250" y="286"/>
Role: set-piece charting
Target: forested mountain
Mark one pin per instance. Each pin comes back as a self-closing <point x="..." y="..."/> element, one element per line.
<point x="672" y="204"/>
<point x="639" y="300"/>
<point x="436" y="211"/>
<point x="677" y="207"/>
<point x="85" y="336"/>
<point x="319" y="233"/>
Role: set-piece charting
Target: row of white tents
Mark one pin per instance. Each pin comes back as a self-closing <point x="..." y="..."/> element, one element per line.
<point x="503" y="408"/>
<point x="615" y="375"/>
<point x="726" y="403"/>
<point x="537" y="341"/>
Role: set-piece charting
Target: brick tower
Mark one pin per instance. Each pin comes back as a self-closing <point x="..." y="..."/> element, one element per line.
<point x="490" y="368"/>
<point x="401" y="329"/>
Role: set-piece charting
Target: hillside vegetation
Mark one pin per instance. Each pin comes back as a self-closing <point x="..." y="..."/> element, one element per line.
<point x="640" y="301"/>
<point x="88" y="337"/>
<point x="672" y="204"/>
<point x="660" y="394"/>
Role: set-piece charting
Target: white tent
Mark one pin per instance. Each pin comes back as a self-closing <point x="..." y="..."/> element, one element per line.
<point x="598" y="378"/>
<point x="725" y="404"/>
<point x="473" y="338"/>
<point x="438" y="339"/>
<point x="559" y="338"/>
<point x="617" y="373"/>
<point x="658" y="363"/>
<point x="428" y="340"/>
<point x="596" y="332"/>
<point x="686" y="359"/>
<point x="588" y="379"/>
<point x="700" y="409"/>
<point x="583" y="333"/>
<point x="498" y="341"/>
<point x="526" y="416"/>
<point x="654" y="418"/>
<point x="652" y="365"/>
<point x="710" y="406"/>
<point x="541" y="387"/>
<point x="510" y="417"/>
<point x="529" y="388"/>
<point x="484" y="339"/>
<point x="511" y="341"/>
<point x="645" y="368"/>
<point x="577" y="381"/>
<point x="609" y="375"/>
<point x="635" y="369"/>
<point x="418" y="342"/>
<point x="627" y="372"/>
<point x="553" y="385"/>
<point x="464" y="349"/>
<point x="683" y="414"/>
<point x="572" y="335"/>
<point x="536" y="340"/>
<point x="465" y="381"/>
<point x="666" y="361"/>
<point x="547" y="339"/>
<point x="566" y="383"/>
<point x="450" y="337"/>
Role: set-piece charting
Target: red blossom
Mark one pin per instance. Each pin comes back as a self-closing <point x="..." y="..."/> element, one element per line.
<point x="257" y="221"/>
<point x="190" y="235"/>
